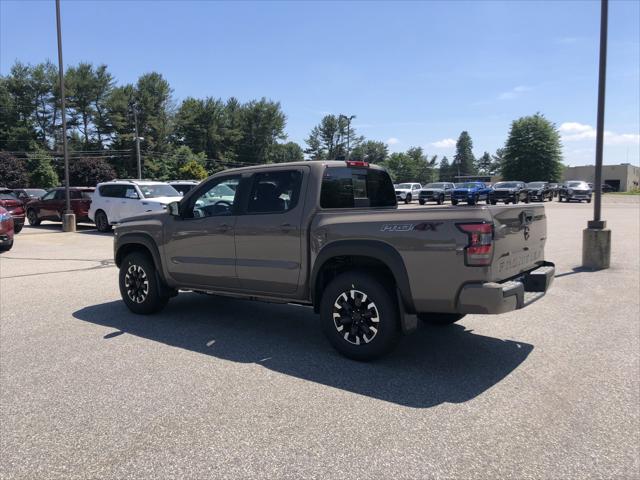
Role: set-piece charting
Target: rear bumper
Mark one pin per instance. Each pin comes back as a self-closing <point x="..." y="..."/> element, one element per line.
<point x="494" y="298"/>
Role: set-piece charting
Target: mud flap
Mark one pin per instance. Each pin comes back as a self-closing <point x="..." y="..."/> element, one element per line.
<point x="408" y="321"/>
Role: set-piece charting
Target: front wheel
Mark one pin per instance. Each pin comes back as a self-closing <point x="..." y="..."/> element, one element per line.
<point x="494" y="202"/>
<point x="407" y="199"/>
<point x="440" y="319"/>
<point x="359" y="315"/>
<point x="32" y="216"/>
<point x="18" y="228"/>
<point x="421" y="202"/>
<point x="527" y="199"/>
<point x="454" y="201"/>
<point x="139" y="285"/>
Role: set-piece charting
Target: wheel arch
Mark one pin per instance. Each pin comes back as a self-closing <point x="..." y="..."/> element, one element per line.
<point x="138" y="242"/>
<point x="342" y="255"/>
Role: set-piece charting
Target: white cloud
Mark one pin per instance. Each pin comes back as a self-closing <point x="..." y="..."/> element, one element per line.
<point x="445" y="143"/>
<point x="574" y="131"/>
<point x="392" y="141"/>
<point x="515" y="92"/>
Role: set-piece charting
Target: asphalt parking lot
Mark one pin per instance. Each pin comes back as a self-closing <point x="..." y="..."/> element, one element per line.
<point x="219" y="388"/>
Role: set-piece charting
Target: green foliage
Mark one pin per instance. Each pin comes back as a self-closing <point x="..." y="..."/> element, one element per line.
<point x="13" y="173"/>
<point x="464" y="161"/>
<point x="533" y="150"/>
<point x="87" y="171"/>
<point x="285" y="152"/>
<point x="444" y="171"/>
<point x="370" y="151"/>
<point x="329" y="139"/>
<point x="41" y="171"/>
<point x="411" y="166"/>
<point x="192" y="170"/>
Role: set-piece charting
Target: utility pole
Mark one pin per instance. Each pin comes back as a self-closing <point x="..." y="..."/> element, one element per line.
<point x="596" y="238"/>
<point x="348" y="119"/>
<point x="135" y="120"/>
<point x="68" y="218"/>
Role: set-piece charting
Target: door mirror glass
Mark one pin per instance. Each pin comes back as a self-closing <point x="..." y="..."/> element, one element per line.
<point x="174" y="209"/>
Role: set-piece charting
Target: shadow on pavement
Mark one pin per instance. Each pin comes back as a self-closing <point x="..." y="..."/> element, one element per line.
<point x="432" y="366"/>
<point x="573" y="271"/>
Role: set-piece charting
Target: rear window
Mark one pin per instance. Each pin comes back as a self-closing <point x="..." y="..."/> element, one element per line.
<point x="344" y="187"/>
<point x="7" y="196"/>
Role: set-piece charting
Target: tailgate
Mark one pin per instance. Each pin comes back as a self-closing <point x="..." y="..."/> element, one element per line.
<point x="520" y="233"/>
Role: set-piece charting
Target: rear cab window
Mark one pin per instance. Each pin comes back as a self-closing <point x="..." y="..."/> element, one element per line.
<point x="353" y="187"/>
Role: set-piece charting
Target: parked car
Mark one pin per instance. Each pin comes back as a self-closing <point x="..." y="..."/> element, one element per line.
<point x="436" y="192"/>
<point x="14" y="206"/>
<point x="52" y="205"/>
<point x="27" y="194"/>
<point x="606" y="188"/>
<point x="329" y="235"/>
<point x="539" y="191"/>
<point x="575" y="190"/>
<point x="470" y="192"/>
<point x="183" y="186"/>
<point x="6" y="230"/>
<point x="406" y="192"/>
<point x="118" y="199"/>
<point x="509" y="192"/>
<point x="554" y="187"/>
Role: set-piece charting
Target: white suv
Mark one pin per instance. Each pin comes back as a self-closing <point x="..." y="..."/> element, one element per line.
<point x="408" y="191"/>
<point x="118" y="199"/>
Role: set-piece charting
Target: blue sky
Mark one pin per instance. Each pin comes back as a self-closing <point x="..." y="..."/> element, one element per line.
<point x="415" y="73"/>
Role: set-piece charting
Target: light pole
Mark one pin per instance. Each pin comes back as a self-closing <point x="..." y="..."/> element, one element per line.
<point x="135" y="120"/>
<point x="596" y="238"/>
<point x="348" y="119"/>
<point x="68" y="218"/>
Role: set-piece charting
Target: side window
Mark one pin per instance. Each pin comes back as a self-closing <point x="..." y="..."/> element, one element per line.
<point x="130" y="192"/>
<point x="275" y="192"/>
<point x="75" y="195"/>
<point x="217" y="199"/>
<point x="59" y="195"/>
<point x="349" y="188"/>
<point x="50" y="195"/>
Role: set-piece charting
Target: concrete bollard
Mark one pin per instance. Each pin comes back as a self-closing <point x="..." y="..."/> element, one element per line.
<point x="596" y="248"/>
<point x="69" y="222"/>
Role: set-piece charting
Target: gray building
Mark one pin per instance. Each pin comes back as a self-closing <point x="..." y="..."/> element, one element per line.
<point x="621" y="177"/>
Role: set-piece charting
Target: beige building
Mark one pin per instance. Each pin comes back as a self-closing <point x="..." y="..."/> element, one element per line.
<point x="621" y="177"/>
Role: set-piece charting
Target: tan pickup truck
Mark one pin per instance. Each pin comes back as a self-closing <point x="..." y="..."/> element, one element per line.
<point x="329" y="234"/>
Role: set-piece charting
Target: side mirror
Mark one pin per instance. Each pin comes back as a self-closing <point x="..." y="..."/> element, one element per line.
<point x="174" y="209"/>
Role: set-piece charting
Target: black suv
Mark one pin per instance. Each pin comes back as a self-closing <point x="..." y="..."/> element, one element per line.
<point x="436" y="192"/>
<point x="540" y="191"/>
<point x="509" y="192"/>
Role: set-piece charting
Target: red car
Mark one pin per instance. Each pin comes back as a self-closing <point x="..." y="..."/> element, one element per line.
<point x="52" y="205"/>
<point x="6" y="230"/>
<point x="14" y="206"/>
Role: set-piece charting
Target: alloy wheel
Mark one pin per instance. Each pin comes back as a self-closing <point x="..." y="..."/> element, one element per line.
<point x="136" y="283"/>
<point x="356" y="317"/>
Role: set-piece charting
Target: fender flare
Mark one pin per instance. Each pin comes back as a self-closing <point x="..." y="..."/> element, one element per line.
<point x="139" y="239"/>
<point x="366" y="248"/>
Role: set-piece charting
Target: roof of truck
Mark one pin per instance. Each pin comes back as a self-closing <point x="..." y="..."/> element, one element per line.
<point x="304" y="163"/>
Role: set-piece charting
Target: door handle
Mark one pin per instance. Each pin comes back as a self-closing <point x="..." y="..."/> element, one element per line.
<point x="287" y="227"/>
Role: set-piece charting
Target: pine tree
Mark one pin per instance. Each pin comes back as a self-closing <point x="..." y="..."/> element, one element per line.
<point x="464" y="160"/>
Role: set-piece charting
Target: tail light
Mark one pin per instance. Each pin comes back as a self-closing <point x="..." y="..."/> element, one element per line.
<point x="479" y="250"/>
<point x="357" y="163"/>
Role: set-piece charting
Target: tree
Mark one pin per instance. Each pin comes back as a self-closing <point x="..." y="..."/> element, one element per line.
<point x="444" y="170"/>
<point x="497" y="159"/>
<point x="370" y="151"/>
<point x="262" y="125"/>
<point x="41" y="171"/>
<point x="329" y="139"/>
<point x="87" y="171"/>
<point x="285" y="152"/>
<point x="153" y="102"/>
<point x="192" y="170"/>
<point x="533" y="150"/>
<point x="484" y="164"/>
<point x="400" y="167"/>
<point x="464" y="159"/>
<point x="12" y="171"/>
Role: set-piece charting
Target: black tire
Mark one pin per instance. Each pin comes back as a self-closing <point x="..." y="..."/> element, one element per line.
<point x="516" y="199"/>
<point x="32" y="216"/>
<point x="421" y="202"/>
<point x="472" y="201"/>
<point x="494" y="202"/>
<point x="407" y="199"/>
<point x="559" y="199"/>
<point x="18" y="228"/>
<point x="441" y="200"/>
<point x="146" y="294"/>
<point x="6" y="247"/>
<point x="588" y="200"/>
<point x="527" y="199"/>
<point x="102" y="222"/>
<point x="345" y="294"/>
<point x="454" y="201"/>
<point x="440" y="319"/>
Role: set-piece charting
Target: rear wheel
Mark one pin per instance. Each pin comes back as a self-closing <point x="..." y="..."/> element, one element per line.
<point x="515" y="199"/>
<point x="454" y="201"/>
<point x="494" y="202"/>
<point x="440" y="319"/>
<point x="32" y="216"/>
<point x="527" y="199"/>
<point x="6" y="247"/>
<point x="359" y="315"/>
<point x="18" y="228"/>
<point x="102" y="222"/>
<point x="422" y="202"/>
<point x="441" y="200"/>
<point x="139" y="285"/>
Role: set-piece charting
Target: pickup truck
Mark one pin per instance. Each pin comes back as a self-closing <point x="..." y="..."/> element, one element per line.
<point x="329" y="234"/>
<point x="470" y="192"/>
